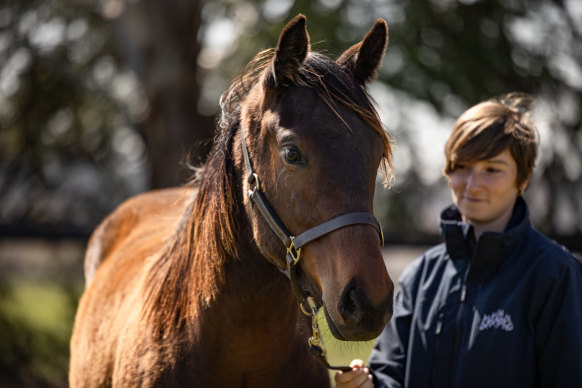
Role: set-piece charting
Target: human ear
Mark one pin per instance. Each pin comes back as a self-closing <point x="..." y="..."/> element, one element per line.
<point x="521" y="189"/>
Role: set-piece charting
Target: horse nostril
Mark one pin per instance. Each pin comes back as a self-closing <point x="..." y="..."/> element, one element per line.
<point x="358" y="318"/>
<point x="349" y="305"/>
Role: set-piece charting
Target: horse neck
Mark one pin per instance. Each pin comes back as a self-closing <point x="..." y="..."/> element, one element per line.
<point x="255" y="291"/>
<point x="252" y="281"/>
<point x="259" y="289"/>
<point x="256" y="309"/>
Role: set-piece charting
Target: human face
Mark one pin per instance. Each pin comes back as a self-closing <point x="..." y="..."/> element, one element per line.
<point x="485" y="191"/>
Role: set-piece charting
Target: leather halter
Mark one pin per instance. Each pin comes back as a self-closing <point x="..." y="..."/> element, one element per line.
<point x="293" y="244"/>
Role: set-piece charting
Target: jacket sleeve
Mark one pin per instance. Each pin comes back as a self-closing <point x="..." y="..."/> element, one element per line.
<point x="558" y="335"/>
<point x="388" y="358"/>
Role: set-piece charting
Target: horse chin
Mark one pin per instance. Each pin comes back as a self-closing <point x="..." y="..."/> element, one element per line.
<point x="332" y="327"/>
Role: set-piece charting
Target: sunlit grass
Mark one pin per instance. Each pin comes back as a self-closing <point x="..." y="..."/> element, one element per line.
<point x="42" y="314"/>
<point x="42" y="305"/>
<point x="36" y="324"/>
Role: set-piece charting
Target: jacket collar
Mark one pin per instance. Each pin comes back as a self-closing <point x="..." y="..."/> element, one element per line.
<point x="492" y="248"/>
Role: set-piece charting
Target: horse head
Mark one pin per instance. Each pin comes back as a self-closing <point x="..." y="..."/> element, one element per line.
<point x="316" y="143"/>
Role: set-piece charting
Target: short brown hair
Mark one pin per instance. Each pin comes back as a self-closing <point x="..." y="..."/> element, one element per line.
<point x="489" y="127"/>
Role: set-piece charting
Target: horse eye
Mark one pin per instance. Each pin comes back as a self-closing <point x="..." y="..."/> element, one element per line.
<point x="291" y="154"/>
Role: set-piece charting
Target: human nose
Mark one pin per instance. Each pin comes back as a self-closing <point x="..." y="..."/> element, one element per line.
<point x="473" y="181"/>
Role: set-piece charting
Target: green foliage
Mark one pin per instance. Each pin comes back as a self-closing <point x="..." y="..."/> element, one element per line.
<point x="59" y="114"/>
<point x="84" y="96"/>
<point x="453" y="54"/>
<point x="36" y="320"/>
<point x="449" y="55"/>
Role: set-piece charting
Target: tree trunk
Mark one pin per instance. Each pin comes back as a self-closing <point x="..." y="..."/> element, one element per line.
<point x="158" y="41"/>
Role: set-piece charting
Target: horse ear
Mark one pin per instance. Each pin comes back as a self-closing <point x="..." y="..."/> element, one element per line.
<point x="363" y="59"/>
<point x="292" y="49"/>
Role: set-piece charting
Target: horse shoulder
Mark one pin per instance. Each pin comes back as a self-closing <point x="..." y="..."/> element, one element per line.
<point x="114" y="265"/>
<point x="137" y="214"/>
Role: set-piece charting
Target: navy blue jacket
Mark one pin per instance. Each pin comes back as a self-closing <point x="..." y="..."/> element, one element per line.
<point x="503" y="312"/>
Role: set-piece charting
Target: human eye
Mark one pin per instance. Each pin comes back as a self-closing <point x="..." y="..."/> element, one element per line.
<point x="493" y="170"/>
<point x="460" y="166"/>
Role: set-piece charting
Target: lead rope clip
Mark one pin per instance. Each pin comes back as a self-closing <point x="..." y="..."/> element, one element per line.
<point x="316" y="347"/>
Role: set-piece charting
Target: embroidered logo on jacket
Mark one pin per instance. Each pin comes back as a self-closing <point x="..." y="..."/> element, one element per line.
<point x="496" y="320"/>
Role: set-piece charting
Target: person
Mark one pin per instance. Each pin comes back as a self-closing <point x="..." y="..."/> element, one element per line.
<point x="497" y="304"/>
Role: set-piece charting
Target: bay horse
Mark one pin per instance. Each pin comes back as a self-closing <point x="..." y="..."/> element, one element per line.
<point x="187" y="286"/>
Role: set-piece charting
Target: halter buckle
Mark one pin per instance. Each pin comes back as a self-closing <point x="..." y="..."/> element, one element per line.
<point x="254" y="178"/>
<point x="293" y="252"/>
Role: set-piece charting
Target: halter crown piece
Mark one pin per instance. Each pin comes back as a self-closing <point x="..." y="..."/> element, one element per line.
<point x="293" y="244"/>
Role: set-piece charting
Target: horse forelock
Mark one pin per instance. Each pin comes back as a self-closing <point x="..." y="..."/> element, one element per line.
<point x="332" y="83"/>
<point x="188" y="274"/>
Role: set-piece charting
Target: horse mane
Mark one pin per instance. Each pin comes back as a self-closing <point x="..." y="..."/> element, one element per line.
<point x="189" y="273"/>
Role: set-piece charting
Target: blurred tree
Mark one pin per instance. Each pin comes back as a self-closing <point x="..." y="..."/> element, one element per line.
<point x="444" y="56"/>
<point x="112" y="93"/>
<point x="453" y="54"/>
<point x="159" y="42"/>
<point x="98" y="101"/>
<point x="66" y="149"/>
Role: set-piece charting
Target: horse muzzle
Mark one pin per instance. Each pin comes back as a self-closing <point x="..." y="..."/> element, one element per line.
<point x="356" y="318"/>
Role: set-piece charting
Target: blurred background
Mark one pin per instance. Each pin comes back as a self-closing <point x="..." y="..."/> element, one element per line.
<point x="104" y="99"/>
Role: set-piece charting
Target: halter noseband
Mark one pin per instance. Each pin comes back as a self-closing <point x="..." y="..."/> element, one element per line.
<point x="293" y="244"/>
